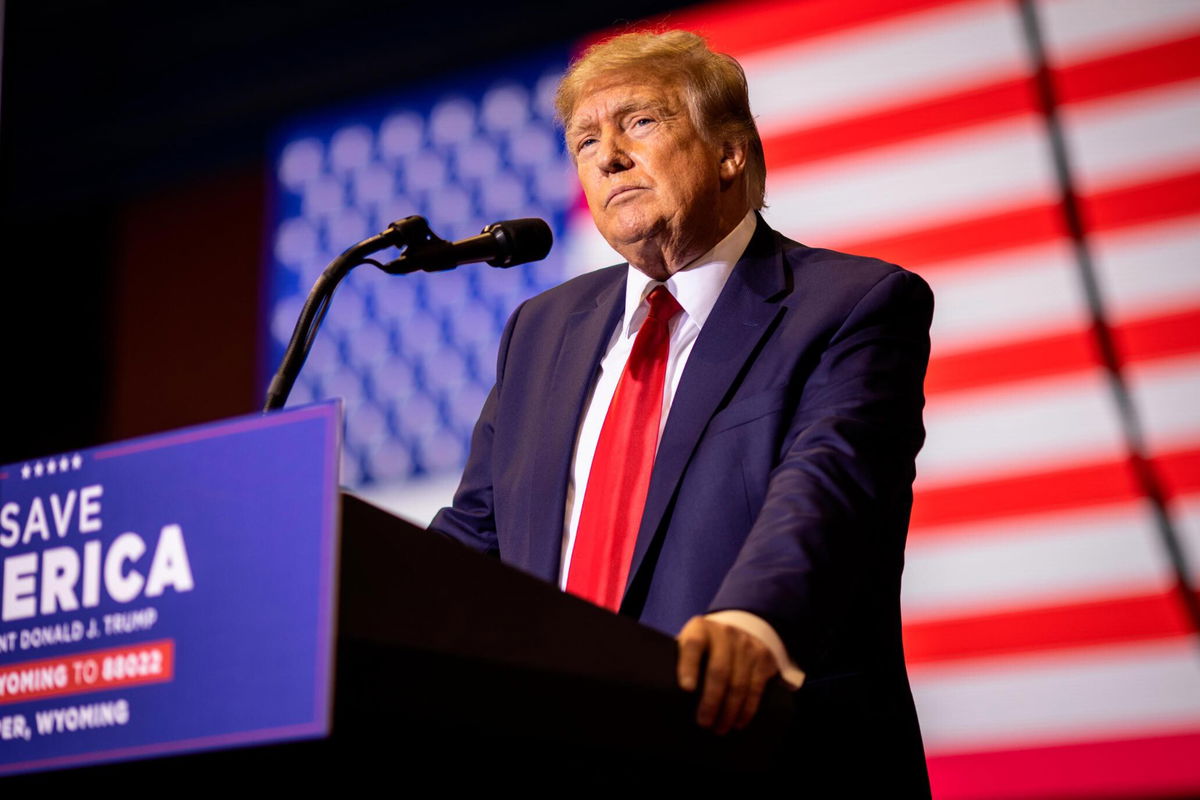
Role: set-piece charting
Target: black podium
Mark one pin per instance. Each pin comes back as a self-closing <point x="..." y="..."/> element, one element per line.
<point x="454" y="668"/>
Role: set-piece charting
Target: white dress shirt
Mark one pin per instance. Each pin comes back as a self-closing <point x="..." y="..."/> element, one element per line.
<point x="696" y="288"/>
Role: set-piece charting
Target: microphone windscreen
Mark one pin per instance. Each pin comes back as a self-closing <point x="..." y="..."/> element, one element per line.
<point x="520" y="241"/>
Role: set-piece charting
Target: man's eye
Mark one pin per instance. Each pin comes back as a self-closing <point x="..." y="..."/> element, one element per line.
<point x="586" y="142"/>
<point x="642" y="121"/>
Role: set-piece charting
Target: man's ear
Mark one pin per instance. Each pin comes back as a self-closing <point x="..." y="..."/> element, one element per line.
<point x="733" y="161"/>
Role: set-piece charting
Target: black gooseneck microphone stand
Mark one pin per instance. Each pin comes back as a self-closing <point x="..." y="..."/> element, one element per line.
<point x="503" y="244"/>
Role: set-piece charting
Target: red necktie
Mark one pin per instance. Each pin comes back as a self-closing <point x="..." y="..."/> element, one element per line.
<point x="620" y="473"/>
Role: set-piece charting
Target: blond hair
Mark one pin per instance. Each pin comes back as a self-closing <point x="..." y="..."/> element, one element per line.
<point x="714" y="86"/>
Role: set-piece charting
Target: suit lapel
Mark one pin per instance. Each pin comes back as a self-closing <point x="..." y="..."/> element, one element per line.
<point x="583" y="343"/>
<point x="740" y="319"/>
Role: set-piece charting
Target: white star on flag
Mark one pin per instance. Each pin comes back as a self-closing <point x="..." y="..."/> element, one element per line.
<point x="76" y="461"/>
<point x="63" y="463"/>
<point x="37" y="469"/>
<point x="25" y="472"/>
<point x="51" y="466"/>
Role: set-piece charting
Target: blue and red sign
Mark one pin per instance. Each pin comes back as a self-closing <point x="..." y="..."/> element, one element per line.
<point x="169" y="594"/>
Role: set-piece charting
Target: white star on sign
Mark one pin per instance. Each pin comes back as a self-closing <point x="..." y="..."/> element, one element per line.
<point x="63" y="464"/>
<point x="25" y="471"/>
<point x="76" y="461"/>
<point x="37" y="470"/>
<point x="51" y="467"/>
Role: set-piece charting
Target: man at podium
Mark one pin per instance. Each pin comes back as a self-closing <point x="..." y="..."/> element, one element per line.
<point x="718" y="437"/>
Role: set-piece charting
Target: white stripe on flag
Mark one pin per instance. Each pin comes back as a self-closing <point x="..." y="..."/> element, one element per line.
<point x="1020" y="294"/>
<point x="1049" y="698"/>
<point x="1076" y="30"/>
<point x="1001" y="296"/>
<point x="920" y="54"/>
<point x="899" y="188"/>
<point x="1032" y="425"/>
<point x="1019" y="427"/>
<point x="1166" y="394"/>
<point x="1149" y="269"/>
<point x="1048" y="559"/>
<point x="1131" y="137"/>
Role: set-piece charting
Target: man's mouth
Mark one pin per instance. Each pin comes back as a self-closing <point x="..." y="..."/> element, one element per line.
<point x="619" y="191"/>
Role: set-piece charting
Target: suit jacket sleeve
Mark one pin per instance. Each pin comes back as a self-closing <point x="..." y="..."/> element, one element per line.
<point x="837" y="503"/>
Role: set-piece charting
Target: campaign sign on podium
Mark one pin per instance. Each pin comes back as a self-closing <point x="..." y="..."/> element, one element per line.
<point x="170" y="593"/>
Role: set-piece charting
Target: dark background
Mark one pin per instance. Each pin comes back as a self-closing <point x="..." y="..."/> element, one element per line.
<point x="133" y="174"/>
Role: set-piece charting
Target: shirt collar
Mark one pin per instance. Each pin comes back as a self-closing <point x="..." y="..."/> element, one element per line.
<point x="696" y="286"/>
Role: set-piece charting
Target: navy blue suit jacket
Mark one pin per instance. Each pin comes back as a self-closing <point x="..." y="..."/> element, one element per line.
<point x="783" y="480"/>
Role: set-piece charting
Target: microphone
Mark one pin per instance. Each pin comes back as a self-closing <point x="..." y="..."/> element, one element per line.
<point x="501" y="244"/>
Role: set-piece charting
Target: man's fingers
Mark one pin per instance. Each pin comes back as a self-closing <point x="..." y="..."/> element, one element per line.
<point x="741" y="661"/>
<point x="739" y="666"/>
<point x="693" y="641"/>
<point x="761" y="671"/>
<point x="716" y="675"/>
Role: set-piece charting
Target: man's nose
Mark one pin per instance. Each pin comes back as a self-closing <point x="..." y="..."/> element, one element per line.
<point x="613" y="157"/>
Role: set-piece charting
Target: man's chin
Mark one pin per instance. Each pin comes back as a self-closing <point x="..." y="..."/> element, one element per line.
<point x="633" y="248"/>
<point x="635" y="235"/>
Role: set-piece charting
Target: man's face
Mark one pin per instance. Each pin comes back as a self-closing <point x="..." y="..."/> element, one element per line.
<point x="652" y="182"/>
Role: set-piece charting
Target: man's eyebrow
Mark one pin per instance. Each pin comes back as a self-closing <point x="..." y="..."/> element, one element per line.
<point x="637" y="104"/>
<point x="630" y="106"/>
<point x="577" y="127"/>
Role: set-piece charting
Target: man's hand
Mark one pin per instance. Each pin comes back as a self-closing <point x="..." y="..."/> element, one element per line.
<point x="739" y="666"/>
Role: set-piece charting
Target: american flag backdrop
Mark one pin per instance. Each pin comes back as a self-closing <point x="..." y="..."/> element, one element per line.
<point x="1039" y="164"/>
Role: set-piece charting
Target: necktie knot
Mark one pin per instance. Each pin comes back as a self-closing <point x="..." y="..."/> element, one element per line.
<point x="663" y="305"/>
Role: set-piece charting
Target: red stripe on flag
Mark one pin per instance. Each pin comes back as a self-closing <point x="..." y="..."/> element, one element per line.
<point x="925" y="248"/>
<point x="1158" y="337"/>
<point x="1178" y="471"/>
<point x="1022" y="360"/>
<point x="1114" y="619"/>
<point x="1137" y="340"/>
<point x="1145" y="767"/>
<point x="1078" y="486"/>
<point x="912" y="121"/>
<point x="1176" y="196"/>
<point x="1030" y="493"/>
<point x="739" y="29"/>
<point x="1091" y="80"/>
<point x="1112" y="209"/>
<point x="1144" y="68"/>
